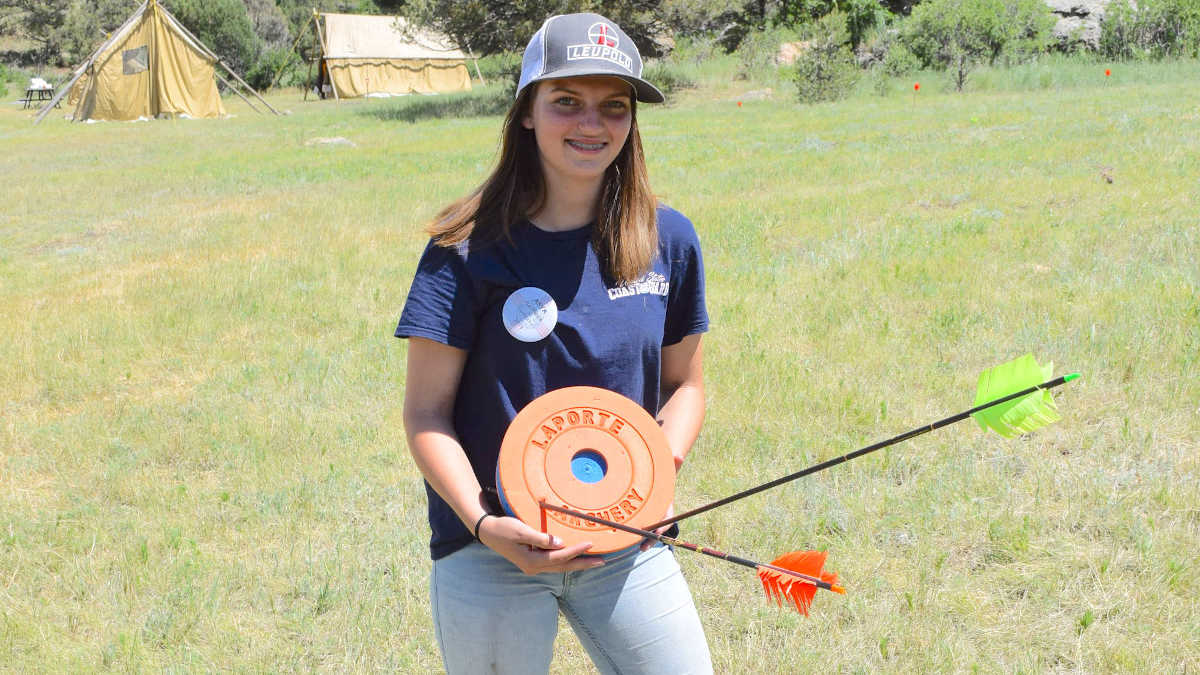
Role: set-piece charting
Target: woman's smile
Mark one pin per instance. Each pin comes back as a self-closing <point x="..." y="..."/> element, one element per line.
<point x="585" y="146"/>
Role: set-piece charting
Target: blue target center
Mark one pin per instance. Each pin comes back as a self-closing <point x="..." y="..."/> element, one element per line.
<point x="588" y="466"/>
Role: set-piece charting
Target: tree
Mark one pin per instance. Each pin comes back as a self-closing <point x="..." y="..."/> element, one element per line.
<point x="391" y="6"/>
<point x="66" y="30"/>
<point x="36" y="20"/>
<point x="268" y="22"/>
<point x="85" y="26"/>
<point x="960" y="34"/>
<point x="494" y="26"/>
<point x="826" y="71"/>
<point x="223" y="25"/>
<point x="902" y="7"/>
<point x="718" y="18"/>
<point x="954" y="34"/>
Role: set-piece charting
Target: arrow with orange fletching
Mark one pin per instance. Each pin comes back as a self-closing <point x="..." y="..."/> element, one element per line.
<point x="791" y="579"/>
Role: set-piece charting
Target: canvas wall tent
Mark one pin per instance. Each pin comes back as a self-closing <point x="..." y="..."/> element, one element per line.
<point x="151" y="66"/>
<point x="363" y="55"/>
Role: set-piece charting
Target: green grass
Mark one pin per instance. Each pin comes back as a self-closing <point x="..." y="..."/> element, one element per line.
<point x="492" y="100"/>
<point x="202" y="462"/>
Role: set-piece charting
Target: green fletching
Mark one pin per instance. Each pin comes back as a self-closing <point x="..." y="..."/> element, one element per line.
<point x="1020" y="415"/>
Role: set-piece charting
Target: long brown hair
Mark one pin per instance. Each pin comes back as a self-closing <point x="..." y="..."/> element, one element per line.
<point x="625" y="234"/>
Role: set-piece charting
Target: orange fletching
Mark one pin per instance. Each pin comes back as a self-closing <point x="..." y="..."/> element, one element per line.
<point x="785" y="588"/>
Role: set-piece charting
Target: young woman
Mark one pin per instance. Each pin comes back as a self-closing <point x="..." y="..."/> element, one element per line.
<point x="566" y="221"/>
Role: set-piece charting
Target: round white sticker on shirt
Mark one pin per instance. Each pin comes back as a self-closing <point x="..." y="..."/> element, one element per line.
<point x="530" y="314"/>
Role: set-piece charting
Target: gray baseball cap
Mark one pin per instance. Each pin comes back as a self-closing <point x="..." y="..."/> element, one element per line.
<point x="570" y="45"/>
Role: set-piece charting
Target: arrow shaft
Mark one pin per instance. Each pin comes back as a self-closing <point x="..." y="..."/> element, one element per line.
<point x="860" y="452"/>
<point x="672" y="541"/>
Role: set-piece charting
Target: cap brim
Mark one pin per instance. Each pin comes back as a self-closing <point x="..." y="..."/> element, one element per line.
<point x="643" y="90"/>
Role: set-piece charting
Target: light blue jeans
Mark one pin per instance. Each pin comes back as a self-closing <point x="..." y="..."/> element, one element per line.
<point x="633" y="615"/>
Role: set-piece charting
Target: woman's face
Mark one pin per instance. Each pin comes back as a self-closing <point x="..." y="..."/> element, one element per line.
<point x="581" y="124"/>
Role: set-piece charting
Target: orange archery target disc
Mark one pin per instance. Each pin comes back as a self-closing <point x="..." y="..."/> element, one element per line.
<point x="590" y="450"/>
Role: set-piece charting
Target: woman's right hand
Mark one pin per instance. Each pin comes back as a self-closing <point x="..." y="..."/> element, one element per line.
<point x="531" y="551"/>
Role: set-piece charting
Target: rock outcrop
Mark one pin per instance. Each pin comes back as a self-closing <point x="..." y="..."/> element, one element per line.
<point x="1078" y="21"/>
<point x="790" y="51"/>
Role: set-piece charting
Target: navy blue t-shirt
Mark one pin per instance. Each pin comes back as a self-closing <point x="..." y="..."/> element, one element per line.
<point x="608" y="335"/>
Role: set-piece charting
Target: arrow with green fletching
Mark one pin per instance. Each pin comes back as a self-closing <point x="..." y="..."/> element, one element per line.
<point x="1012" y="415"/>
<point x="1009" y="400"/>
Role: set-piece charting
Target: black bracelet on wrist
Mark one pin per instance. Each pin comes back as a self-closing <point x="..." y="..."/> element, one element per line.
<point x="480" y="521"/>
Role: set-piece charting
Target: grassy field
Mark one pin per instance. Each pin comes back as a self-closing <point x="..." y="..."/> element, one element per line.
<point x="202" y="462"/>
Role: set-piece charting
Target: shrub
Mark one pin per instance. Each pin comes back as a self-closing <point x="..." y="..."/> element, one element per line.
<point x="1117" y="31"/>
<point x="862" y="16"/>
<point x="500" y="67"/>
<point x="758" y="49"/>
<point x="900" y="61"/>
<point x="959" y="34"/>
<point x="881" y="83"/>
<point x="1029" y="30"/>
<point x="826" y="72"/>
<point x="270" y="62"/>
<point x="1151" y="28"/>
<point x="695" y="49"/>
<point x="667" y="77"/>
<point x="874" y="47"/>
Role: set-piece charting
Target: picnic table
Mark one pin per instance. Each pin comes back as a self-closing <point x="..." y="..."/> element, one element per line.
<point x="38" y="94"/>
